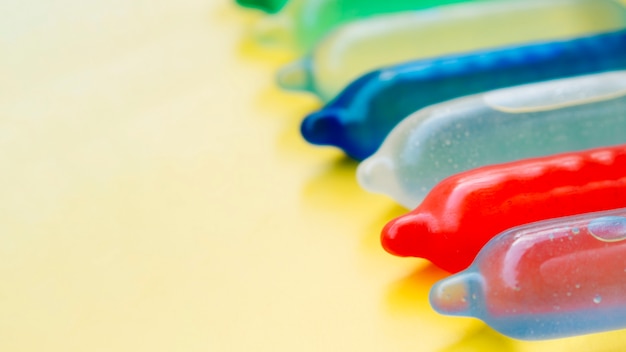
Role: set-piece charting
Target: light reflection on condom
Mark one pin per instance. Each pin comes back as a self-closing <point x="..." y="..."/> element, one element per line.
<point x="608" y="228"/>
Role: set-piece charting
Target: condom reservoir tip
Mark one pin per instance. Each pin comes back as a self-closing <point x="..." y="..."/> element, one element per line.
<point x="453" y="296"/>
<point x="331" y="127"/>
<point x="323" y="127"/>
<point x="376" y="171"/>
<point x="295" y="76"/>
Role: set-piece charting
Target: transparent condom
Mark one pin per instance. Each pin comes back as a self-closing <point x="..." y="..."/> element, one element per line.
<point x="359" y="47"/>
<point x="503" y="125"/>
<point x="549" y="279"/>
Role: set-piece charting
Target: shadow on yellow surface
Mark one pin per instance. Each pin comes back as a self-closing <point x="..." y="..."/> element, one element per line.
<point x="483" y="339"/>
<point x="402" y="296"/>
<point x="335" y="187"/>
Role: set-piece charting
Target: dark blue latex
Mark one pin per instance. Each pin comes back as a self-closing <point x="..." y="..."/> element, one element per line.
<point x="360" y="118"/>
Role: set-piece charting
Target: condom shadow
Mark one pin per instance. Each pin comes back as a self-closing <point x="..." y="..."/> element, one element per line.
<point x="249" y="49"/>
<point x="371" y="240"/>
<point x="483" y="339"/>
<point x="408" y="294"/>
<point x="409" y="297"/>
<point x="335" y="187"/>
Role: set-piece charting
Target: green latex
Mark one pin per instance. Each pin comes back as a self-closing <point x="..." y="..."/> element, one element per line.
<point x="302" y="23"/>
<point x="270" y="6"/>
<point x="369" y="44"/>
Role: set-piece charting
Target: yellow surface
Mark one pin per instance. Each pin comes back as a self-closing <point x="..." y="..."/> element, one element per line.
<point x="156" y="196"/>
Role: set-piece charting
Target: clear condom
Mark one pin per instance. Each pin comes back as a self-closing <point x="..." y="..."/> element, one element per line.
<point x="550" y="279"/>
<point x="495" y="127"/>
<point x="369" y="44"/>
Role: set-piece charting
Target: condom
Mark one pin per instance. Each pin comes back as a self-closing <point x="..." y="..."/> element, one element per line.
<point x="363" y="46"/>
<point x="550" y="279"/>
<point x="363" y="115"/>
<point x="495" y="127"/>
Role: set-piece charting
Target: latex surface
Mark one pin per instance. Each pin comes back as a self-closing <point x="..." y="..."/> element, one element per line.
<point x="270" y="6"/>
<point x="466" y="210"/>
<point x="303" y="23"/>
<point x="556" y="278"/>
<point x="434" y="143"/>
<point x="366" y="45"/>
<point x="361" y="117"/>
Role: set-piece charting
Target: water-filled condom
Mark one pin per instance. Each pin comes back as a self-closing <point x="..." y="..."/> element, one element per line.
<point x="499" y="126"/>
<point x="549" y="279"/>
<point x="370" y="44"/>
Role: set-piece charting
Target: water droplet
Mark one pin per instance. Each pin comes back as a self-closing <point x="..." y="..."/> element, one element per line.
<point x="551" y="236"/>
<point x="568" y="294"/>
<point x="577" y="285"/>
<point x="556" y="307"/>
<point x="463" y="299"/>
<point x="474" y="296"/>
<point x="575" y="230"/>
<point x="597" y="299"/>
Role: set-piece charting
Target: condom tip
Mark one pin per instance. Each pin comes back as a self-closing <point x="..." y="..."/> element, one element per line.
<point x="323" y="127"/>
<point x="295" y="76"/>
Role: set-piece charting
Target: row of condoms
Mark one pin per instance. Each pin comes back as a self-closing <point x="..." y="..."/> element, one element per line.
<point x="502" y="123"/>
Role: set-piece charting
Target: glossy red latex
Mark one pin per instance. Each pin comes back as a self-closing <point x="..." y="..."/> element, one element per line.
<point x="463" y="212"/>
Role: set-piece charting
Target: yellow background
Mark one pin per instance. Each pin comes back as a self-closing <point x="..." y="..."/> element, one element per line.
<point x="155" y="195"/>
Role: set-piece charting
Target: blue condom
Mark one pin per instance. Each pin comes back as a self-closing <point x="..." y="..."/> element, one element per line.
<point x="360" y="118"/>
